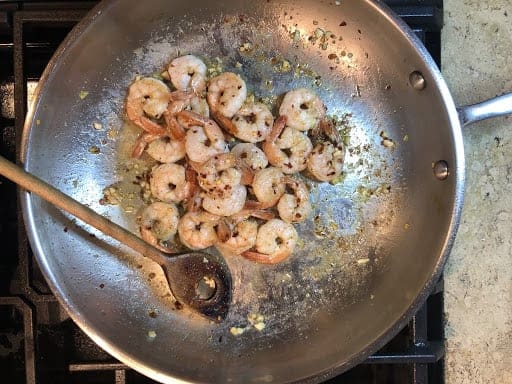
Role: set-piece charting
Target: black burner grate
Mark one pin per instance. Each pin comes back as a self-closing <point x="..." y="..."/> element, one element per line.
<point x="38" y="342"/>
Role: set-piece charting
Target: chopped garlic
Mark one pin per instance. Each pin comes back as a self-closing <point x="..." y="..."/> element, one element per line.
<point x="209" y="281"/>
<point x="235" y="331"/>
<point x="259" y="326"/>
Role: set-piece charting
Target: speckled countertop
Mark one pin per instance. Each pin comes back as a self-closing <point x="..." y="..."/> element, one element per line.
<point x="477" y="64"/>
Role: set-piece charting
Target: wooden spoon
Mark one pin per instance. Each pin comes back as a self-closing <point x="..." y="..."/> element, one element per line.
<point x="198" y="280"/>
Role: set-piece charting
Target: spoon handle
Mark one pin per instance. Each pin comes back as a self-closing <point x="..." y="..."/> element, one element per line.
<point x="84" y="213"/>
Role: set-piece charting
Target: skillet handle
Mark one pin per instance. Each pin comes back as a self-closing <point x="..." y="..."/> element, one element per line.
<point x="498" y="106"/>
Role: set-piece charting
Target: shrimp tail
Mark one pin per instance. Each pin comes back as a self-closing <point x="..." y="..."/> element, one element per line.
<point x="253" y="205"/>
<point x="150" y="126"/>
<point x="328" y="128"/>
<point x="182" y="95"/>
<point x="189" y="119"/>
<point x="247" y="173"/>
<point x="176" y="131"/>
<point x="263" y="258"/>
<point x="277" y="129"/>
<point x="225" y="123"/>
<point x="263" y="214"/>
<point x="192" y="201"/>
<point x="142" y="141"/>
<point x="224" y="232"/>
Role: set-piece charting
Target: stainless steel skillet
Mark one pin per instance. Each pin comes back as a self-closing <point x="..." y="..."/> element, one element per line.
<point x="372" y="250"/>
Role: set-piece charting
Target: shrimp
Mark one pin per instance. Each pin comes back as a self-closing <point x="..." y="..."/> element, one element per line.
<point x="283" y="140"/>
<point x="197" y="229"/>
<point x="188" y="72"/>
<point x="268" y="186"/>
<point x="242" y="238"/>
<point x="159" y="223"/>
<point x="303" y="108"/>
<point x="275" y="242"/>
<point x="226" y="206"/>
<point x="218" y="175"/>
<point x="226" y="94"/>
<point x="166" y="150"/>
<point x="251" y="156"/>
<point x="296" y="207"/>
<point x="168" y="183"/>
<point x="253" y="122"/>
<point x="325" y="163"/>
<point x="147" y="98"/>
<point x="204" y="138"/>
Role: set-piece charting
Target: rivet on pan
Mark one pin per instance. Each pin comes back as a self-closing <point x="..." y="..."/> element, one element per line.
<point x="417" y="81"/>
<point x="441" y="170"/>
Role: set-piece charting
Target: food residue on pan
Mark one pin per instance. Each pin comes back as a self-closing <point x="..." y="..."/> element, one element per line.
<point x="255" y="321"/>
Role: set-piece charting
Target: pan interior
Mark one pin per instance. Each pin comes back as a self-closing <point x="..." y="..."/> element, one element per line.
<point x="371" y="245"/>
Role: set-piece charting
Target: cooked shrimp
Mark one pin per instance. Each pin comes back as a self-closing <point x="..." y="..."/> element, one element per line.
<point x="226" y="94"/>
<point x="253" y="122"/>
<point x="197" y="230"/>
<point x="204" y="138"/>
<point x="226" y="206"/>
<point x="282" y="141"/>
<point x="147" y="98"/>
<point x="159" y="223"/>
<point x="188" y="72"/>
<point x="303" y="108"/>
<point x="218" y="175"/>
<point x="296" y="207"/>
<point x="268" y="186"/>
<point x="274" y="243"/>
<point x="250" y="155"/>
<point x="166" y="150"/>
<point x="242" y="238"/>
<point x="168" y="183"/>
<point x="325" y="163"/>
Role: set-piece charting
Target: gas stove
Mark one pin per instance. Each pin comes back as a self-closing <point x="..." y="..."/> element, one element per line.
<point x="38" y="341"/>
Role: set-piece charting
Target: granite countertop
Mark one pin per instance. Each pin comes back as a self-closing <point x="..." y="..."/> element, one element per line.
<point x="477" y="64"/>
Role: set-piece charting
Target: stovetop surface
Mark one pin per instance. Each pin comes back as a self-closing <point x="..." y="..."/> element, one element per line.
<point x="38" y="341"/>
